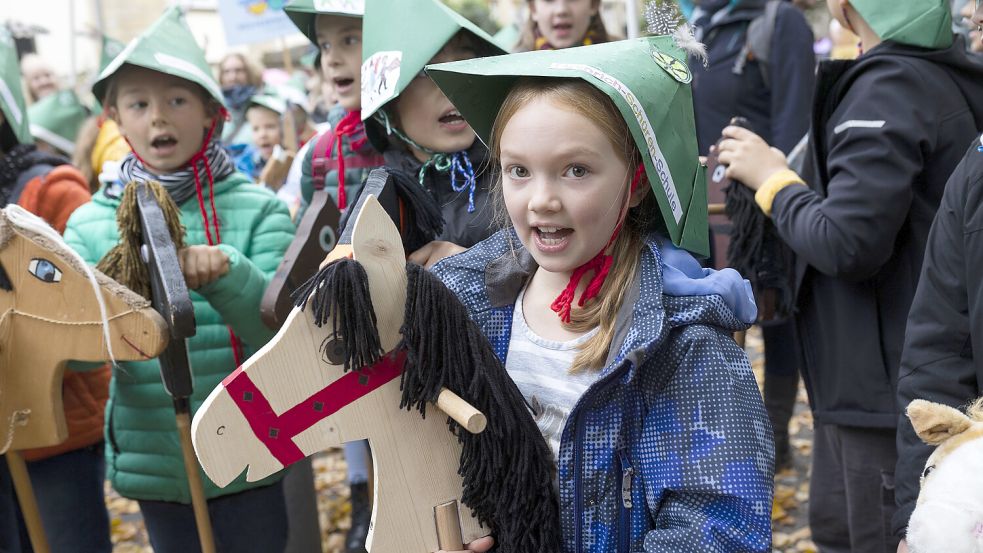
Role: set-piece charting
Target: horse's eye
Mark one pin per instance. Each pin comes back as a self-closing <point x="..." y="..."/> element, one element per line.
<point x="333" y="350"/>
<point x="44" y="270"/>
<point x="928" y="470"/>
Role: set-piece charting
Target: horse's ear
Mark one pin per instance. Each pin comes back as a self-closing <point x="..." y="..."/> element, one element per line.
<point x="935" y="423"/>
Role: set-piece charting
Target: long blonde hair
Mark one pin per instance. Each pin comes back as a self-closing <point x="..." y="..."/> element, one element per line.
<point x="588" y="101"/>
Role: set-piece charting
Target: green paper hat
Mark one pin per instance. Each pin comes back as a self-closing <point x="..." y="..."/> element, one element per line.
<point x="647" y="80"/>
<point x="11" y="94"/>
<point x="399" y="39"/>
<point x="925" y="23"/>
<point x="270" y="102"/>
<point x="57" y="118"/>
<point x="507" y="37"/>
<point x="304" y="12"/>
<point x="168" y="47"/>
<point x="110" y="49"/>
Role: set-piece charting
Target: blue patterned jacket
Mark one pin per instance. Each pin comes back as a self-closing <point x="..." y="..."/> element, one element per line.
<point x="670" y="450"/>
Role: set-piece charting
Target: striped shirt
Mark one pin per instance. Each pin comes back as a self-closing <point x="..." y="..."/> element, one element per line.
<point x="540" y="368"/>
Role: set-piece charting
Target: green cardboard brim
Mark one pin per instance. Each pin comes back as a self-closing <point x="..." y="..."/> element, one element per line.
<point x="168" y="47"/>
<point x="304" y="13"/>
<point x="923" y="23"/>
<point x="657" y="107"/>
<point x="400" y="39"/>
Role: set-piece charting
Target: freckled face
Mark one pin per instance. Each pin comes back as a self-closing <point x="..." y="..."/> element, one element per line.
<point x="563" y="183"/>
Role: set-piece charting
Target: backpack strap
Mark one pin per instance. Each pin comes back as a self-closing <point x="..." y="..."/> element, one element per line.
<point x="757" y="43"/>
<point x="39" y="170"/>
<point x="321" y="159"/>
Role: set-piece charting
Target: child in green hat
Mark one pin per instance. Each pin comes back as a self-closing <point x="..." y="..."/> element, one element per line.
<point x="264" y="114"/>
<point x="422" y="135"/>
<point x="56" y="120"/>
<point x="888" y="130"/>
<point x="617" y="338"/>
<point x="161" y="93"/>
<point x="338" y="160"/>
<point x="556" y="24"/>
<point x="68" y="478"/>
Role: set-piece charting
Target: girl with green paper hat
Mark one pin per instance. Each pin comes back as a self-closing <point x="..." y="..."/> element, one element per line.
<point x="161" y="93"/>
<point x="888" y="130"/>
<point x="617" y="338"/>
<point x="422" y="135"/>
<point x="555" y="24"/>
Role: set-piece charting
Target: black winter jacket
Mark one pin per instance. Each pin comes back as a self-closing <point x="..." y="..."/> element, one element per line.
<point x="779" y="110"/>
<point x="460" y="227"/>
<point x="945" y="326"/>
<point x="888" y="129"/>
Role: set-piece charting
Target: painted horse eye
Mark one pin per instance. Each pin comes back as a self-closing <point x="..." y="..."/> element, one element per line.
<point x="333" y="350"/>
<point x="44" y="270"/>
<point x="928" y="470"/>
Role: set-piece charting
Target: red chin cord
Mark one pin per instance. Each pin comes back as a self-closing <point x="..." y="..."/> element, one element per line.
<point x="199" y="156"/>
<point x="600" y="263"/>
<point x="350" y="124"/>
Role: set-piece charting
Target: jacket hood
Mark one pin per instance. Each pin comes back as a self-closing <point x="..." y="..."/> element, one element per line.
<point x="670" y="290"/>
<point x="965" y="70"/>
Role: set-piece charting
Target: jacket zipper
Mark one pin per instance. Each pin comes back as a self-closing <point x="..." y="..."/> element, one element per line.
<point x="578" y="447"/>
<point x="624" y="520"/>
<point x="110" y="430"/>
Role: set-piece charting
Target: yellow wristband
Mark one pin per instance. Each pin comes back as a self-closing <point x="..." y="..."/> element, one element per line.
<point x="765" y="195"/>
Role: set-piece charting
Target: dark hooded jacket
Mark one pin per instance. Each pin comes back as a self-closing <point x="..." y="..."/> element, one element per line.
<point x="888" y="129"/>
<point x="460" y="227"/>
<point x="942" y="360"/>
<point x="777" y="108"/>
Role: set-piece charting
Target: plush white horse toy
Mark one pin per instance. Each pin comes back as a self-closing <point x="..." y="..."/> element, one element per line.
<point x="949" y="513"/>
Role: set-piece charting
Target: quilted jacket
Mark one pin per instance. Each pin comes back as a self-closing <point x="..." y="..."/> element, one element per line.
<point x="670" y="450"/>
<point x="143" y="454"/>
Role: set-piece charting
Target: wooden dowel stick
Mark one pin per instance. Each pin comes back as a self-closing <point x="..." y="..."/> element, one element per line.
<point x="28" y="503"/>
<point x="198" y="501"/>
<point x="462" y="412"/>
<point x="448" y="524"/>
<point x="716" y="209"/>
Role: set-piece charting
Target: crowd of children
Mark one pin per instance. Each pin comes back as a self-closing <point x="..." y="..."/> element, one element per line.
<point x="569" y="178"/>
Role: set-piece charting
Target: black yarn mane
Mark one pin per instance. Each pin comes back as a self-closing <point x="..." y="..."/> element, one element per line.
<point x="757" y="252"/>
<point x="5" y="283"/>
<point x="419" y="219"/>
<point x="507" y="469"/>
<point x="340" y="292"/>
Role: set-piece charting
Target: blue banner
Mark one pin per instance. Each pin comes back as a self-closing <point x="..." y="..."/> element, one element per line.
<point x="249" y="21"/>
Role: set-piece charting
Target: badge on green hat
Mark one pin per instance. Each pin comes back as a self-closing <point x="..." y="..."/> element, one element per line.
<point x="11" y="94"/>
<point x="646" y="78"/>
<point x="399" y="39"/>
<point x="924" y="23"/>
<point x="168" y="47"/>
<point x="304" y="12"/>
<point x="57" y="118"/>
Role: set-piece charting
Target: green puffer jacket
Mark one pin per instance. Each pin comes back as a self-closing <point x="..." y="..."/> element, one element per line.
<point x="358" y="164"/>
<point x="143" y="454"/>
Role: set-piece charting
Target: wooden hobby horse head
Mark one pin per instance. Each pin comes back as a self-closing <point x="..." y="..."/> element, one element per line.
<point x="324" y="380"/>
<point x="50" y="313"/>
